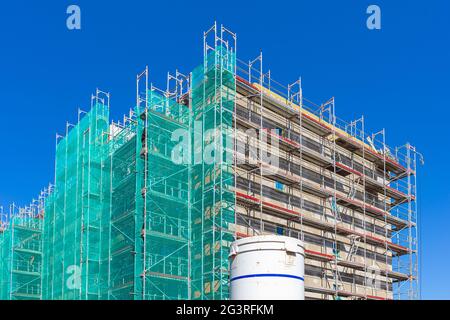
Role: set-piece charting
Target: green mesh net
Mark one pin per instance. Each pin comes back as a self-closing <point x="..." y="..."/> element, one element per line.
<point x="213" y="199"/>
<point x="142" y="209"/>
<point x="74" y="213"/>
<point x="21" y="259"/>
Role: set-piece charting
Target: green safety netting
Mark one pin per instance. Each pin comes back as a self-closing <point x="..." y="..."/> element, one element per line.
<point x="140" y="210"/>
<point x="21" y="259"/>
<point x="213" y="198"/>
<point x="74" y="219"/>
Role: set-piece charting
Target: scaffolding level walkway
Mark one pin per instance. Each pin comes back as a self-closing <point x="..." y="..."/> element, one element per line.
<point x="270" y="207"/>
<point x="319" y="126"/>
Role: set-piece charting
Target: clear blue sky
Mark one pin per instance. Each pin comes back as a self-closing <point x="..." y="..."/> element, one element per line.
<point x="397" y="77"/>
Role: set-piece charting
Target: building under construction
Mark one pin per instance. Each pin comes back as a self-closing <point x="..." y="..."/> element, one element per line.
<point x="147" y="207"/>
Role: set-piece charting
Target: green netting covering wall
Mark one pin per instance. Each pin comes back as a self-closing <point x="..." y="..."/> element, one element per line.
<point x="164" y="167"/>
<point x="142" y="209"/>
<point x="121" y="250"/>
<point x="21" y="259"/>
<point x="149" y="249"/>
<point x="48" y="247"/>
<point x="213" y="199"/>
<point x="73" y="217"/>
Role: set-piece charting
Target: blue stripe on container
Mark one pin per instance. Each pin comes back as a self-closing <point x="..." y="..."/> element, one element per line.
<point x="268" y="275"/>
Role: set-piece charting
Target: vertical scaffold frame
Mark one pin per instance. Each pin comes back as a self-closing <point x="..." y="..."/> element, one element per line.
<point x="213" y="213"/>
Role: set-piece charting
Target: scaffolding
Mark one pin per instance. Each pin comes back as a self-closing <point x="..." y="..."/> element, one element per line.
<point x="163" y="185"/>
<point x="21" y="251"/>
<point x="345" y="193"/>
<point x="149" y="212"/>
<point x="121" y="195"/>
<point x="213" y="198"/>
<point x="74" y="216"/>
<point x="146" y="208"/>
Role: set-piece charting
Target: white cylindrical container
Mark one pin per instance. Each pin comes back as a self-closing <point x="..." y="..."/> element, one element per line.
<point x="267" y="267"/>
